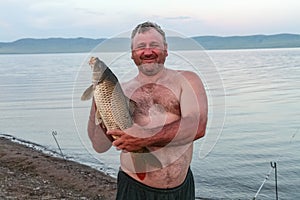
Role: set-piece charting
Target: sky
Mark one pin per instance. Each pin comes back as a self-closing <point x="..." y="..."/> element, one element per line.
<point x="109" y="18"/>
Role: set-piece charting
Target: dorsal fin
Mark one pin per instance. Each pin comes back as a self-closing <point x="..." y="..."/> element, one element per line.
<point x="88" y="93"/>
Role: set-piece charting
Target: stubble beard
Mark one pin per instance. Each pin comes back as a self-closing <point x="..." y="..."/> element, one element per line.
<point x="151" y="69"/>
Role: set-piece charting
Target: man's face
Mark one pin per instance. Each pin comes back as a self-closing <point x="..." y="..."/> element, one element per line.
<point x="149" y="52"/>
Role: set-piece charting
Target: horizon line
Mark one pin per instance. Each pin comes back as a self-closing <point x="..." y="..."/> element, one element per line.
<point x="104" y="38"/>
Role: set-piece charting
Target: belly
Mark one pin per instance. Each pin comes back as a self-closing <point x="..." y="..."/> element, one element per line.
<point x="176" y="161"/>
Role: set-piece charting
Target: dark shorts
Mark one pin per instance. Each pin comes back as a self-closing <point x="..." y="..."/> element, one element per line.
<point x="130" y="189"/>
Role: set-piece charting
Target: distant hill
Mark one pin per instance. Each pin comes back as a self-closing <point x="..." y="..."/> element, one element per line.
<point x="250" y="42"/>
<point x="50" y="45"/>
<point x="78" y="45"/>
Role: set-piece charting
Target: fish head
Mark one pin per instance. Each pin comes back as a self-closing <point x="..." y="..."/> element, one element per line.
<point x="98" y="67"/>
<point x="93" y="61"/>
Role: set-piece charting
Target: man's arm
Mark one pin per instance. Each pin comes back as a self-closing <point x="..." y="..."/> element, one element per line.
<point x="100" y="141"/>
<point x="189" y="127"/>
<point x="194" y="108"/>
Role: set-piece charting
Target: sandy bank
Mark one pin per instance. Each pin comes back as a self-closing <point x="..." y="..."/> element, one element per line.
<point x="26" y="173"/>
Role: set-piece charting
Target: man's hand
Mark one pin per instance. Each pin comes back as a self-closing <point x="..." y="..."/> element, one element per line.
<point x="130" y="140"/>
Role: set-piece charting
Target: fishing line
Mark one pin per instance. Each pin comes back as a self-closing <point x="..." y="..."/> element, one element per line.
<point x="273" y="166"/>
<point x="261" y="186"/>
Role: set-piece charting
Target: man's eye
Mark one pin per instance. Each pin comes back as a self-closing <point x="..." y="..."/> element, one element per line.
<point x="154" y="45"/>
<point x="141" y="47"/>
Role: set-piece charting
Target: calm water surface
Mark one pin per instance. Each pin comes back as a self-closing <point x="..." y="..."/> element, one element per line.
<point x="254" y="114"/>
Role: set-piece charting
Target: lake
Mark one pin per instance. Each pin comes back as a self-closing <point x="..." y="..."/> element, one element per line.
<point x="253" y="114"/>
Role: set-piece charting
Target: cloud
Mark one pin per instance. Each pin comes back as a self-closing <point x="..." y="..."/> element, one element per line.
<point x="178" y="18"/>
<point x="93" y="18"/>
<point x="86" y="11"/>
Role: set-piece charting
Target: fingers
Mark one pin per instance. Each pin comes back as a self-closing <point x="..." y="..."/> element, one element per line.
<point x="115" y="133"/>
<point x="123" y="141"/>
<point x="120" y="142"/>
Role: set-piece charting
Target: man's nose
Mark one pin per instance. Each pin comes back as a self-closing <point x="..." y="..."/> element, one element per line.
<point x="148" y="50"/>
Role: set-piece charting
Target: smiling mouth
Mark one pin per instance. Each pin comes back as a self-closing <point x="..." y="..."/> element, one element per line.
<point x="149" y="60"/>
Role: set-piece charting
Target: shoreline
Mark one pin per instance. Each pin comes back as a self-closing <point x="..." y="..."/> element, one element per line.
<point x="28" y="173"/>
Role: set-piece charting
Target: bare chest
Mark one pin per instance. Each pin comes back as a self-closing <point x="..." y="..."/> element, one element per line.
<point x="154" y="100"/>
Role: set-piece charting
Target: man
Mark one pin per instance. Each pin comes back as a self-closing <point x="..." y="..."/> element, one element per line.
<point x="170" y="113"/>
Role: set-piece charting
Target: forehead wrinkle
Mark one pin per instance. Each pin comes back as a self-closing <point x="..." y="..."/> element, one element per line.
<point x="149" y="37"/>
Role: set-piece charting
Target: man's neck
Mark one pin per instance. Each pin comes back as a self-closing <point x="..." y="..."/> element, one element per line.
<point x="144" y="79"/>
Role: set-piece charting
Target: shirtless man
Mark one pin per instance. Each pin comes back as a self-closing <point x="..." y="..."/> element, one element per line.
<point x="171" y="113"/>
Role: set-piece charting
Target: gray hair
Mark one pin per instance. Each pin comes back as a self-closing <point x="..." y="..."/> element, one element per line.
<point x="146" y="26"/>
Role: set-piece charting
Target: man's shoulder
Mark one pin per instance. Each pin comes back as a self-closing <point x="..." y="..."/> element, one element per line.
<point x="188" y="78"/>
<point x="184" y="74"/>
<point x="185" y="71"/>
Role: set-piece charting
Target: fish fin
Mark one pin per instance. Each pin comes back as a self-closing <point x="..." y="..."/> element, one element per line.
<point x="98" y="119"/>
<point x="149" y="157"/>
<point x="132" y="105"/>
<point x="139" y="164"/>
<point x="88" y="93"/>
<point x="152" y="160"/>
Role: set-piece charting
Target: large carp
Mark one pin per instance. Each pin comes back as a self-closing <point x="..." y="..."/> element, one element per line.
<point x="114" y="110"/>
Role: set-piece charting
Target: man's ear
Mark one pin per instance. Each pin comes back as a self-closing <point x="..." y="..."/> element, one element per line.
<point x="166" y="49"/>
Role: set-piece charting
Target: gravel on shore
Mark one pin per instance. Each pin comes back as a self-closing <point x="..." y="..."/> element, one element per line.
<point x="27" y="173"/>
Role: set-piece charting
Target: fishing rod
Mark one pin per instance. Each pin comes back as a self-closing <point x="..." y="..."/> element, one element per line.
<point x="273" y="166"/>
<point x="54" y="133"/>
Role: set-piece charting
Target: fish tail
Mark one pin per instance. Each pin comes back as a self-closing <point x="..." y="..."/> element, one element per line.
<point x="141" y="160"/>
<point x="139" y="165"/>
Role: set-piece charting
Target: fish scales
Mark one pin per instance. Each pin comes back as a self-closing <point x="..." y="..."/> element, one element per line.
<point x="112" y="105"/>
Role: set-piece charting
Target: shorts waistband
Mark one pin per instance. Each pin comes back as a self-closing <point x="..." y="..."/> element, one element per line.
<point x="130" y="180"/>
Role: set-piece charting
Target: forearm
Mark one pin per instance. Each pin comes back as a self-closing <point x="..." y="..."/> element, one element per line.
<point x="100" y="141"/>
<point x="179" y="132"/>
<point x="97" y="134"/>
